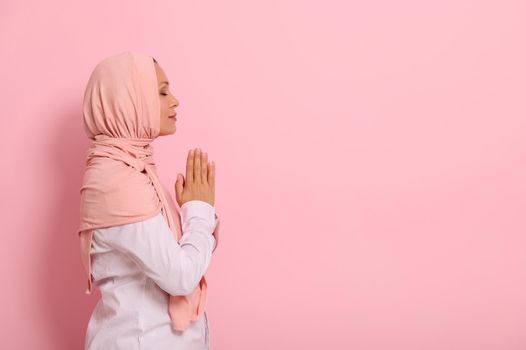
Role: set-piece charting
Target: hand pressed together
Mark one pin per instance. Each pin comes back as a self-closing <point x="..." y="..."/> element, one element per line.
<point x="199" y="183"/>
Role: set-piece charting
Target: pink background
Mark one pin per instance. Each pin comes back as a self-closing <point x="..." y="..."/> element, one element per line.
<point x="370" y="166"/>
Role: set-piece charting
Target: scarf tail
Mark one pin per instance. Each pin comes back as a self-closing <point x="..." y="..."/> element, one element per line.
<point x="85" y="247"/>
<point x="186" y="308"/>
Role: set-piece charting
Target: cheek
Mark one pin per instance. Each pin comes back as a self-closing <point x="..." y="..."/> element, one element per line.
<point x="166" y="111"/>
<point x="163" y="112"/>
<point x="164" y="115"/>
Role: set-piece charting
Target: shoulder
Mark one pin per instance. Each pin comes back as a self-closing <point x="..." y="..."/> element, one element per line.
<point x="136" y="226"/>
<point x="135" y="237"/>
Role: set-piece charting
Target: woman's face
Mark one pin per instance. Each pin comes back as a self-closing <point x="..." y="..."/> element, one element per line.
<point x="167" y="101"/>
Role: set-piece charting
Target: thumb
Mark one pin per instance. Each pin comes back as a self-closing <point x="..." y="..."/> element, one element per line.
<point x="179" y="185"/>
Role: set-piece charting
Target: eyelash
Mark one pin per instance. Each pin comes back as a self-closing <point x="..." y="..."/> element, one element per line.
<point x="164" y="94"/>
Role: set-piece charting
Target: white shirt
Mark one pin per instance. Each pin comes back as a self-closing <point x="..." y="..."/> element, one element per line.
<point x="136" y="266"/>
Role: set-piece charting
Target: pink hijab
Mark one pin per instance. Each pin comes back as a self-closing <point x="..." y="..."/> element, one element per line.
<point x="120" y="184"/>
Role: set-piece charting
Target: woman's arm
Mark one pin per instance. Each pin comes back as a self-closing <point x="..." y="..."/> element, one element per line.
<point x="176" y="267"/>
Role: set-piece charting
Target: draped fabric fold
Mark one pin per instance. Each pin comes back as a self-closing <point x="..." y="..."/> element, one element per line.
<point x="120" y="184"/>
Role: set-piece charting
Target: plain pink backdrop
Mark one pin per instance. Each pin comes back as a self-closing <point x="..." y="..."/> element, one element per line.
<point x="370" y="166"/>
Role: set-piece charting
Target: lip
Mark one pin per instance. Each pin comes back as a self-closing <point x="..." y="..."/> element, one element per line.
<point x="173" y="116"/>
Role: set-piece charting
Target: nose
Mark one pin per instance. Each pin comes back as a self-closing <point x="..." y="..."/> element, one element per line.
<point x="176" y="102"/>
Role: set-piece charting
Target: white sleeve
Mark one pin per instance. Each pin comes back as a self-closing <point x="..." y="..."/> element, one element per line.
<point x="176" y="267"/>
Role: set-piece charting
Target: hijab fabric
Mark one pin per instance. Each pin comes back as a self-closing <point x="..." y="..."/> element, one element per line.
<point x="120" y="184"/>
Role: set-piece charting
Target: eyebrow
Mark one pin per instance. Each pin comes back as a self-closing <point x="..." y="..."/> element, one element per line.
<point x="164" y="82"/>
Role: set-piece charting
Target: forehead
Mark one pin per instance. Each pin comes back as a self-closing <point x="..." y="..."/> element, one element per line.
<point x="160" y="73"/>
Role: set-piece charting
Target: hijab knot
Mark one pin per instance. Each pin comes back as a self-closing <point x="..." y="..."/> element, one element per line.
<point x="135" y="152"/>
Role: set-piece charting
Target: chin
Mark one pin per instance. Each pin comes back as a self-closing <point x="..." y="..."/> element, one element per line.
<point x="167" y="131"/>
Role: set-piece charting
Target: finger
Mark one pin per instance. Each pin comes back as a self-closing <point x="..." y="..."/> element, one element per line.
<point x="190" y="166"/>
<point x="197" y="167"/>
<point x="204" y="167"/>
<point x="179" y="185"/>
<point x="212" y="174"/>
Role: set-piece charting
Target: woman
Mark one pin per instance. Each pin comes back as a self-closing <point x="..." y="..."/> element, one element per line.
<point x="147" y="259"/>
